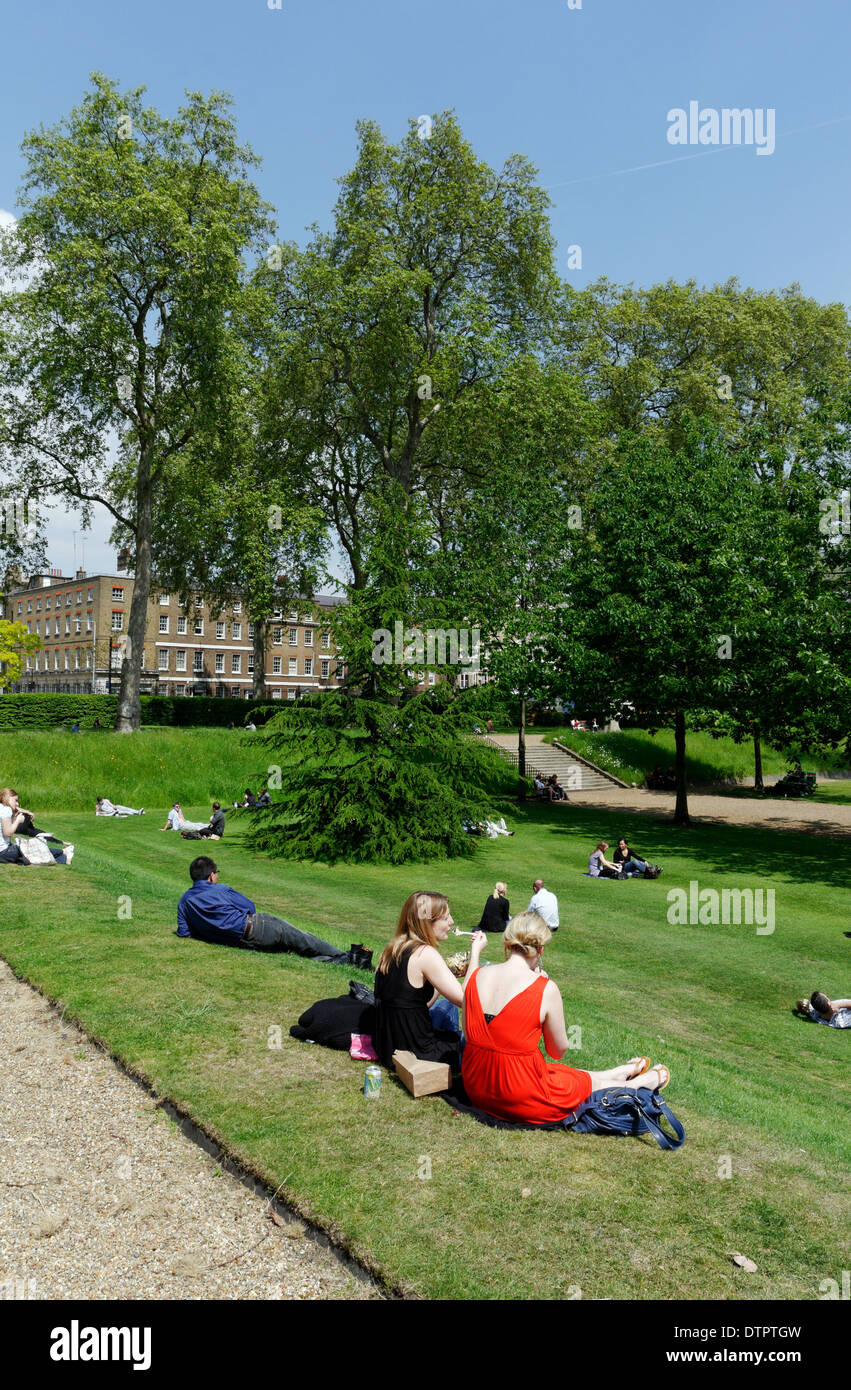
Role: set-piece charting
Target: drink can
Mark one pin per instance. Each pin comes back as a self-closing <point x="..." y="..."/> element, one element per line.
<point x="372" y="1082"/>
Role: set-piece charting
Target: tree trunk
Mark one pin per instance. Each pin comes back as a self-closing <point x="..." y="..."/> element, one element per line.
<point x="521" y="753"/>
<point x="681" y="816"/>
<point x="759" y="785"/>
<point x="261" y="633"/>
<point x="129" y="715"/>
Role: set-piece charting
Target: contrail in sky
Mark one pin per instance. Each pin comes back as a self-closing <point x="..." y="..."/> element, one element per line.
<point x="680" y="159"/>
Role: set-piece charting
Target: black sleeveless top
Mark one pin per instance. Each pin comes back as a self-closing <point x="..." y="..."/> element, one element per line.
<point x="404" y="1023"/>
<point x="496" y="914"/>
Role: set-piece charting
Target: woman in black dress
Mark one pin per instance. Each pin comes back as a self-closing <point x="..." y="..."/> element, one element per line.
<point x="411" y="974"/>
<point x="496" y="914"/>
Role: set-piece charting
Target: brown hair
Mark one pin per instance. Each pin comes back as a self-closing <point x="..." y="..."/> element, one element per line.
<point x="5" y="793"/>
<point x="526" y="934"/>
<point x="604" y="844"/>
<point x="414" y="926"/>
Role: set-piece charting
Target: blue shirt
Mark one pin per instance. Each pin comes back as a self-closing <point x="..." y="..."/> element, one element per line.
<point x="213" y="912"/>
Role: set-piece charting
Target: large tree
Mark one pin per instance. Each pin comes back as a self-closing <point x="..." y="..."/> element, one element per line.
<point x="118" y="352"/>
<point x="675" y="605"/>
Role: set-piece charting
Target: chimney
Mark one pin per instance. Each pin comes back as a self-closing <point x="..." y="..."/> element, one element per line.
<point x="81" y="574"/>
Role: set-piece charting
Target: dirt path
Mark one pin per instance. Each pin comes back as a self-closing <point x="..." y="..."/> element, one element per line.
<point x="808" y="816"/>
<point x="102" y="1196"/>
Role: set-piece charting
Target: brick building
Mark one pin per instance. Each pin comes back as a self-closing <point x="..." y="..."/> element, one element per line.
<point x="82" y="623"/>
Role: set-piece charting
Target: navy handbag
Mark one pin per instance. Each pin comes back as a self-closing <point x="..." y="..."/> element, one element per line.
<point x="616" y="1110"/>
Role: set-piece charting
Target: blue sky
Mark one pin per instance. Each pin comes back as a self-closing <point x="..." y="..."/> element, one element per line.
<point x="583" y="93"/>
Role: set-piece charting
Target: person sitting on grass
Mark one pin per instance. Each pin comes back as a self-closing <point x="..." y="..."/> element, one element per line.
<point x="248" y="802"/>
<point x="835" y="1013"/>
<point x="508" y="1009"/>
<point x="16" y="820"/>
<point x="496" y="911"/>
<point x="264" y="799"/>
<point x="556" y="790"/>
<point x="599" y="866"/>
<point x="105" y="807"/>
<point x="214" y="912"/>
<point x="213" y="830"/>
<point x="631" y="865"/>
<point x="411" y="976"/>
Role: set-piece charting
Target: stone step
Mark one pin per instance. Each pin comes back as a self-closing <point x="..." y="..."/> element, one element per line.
<point x="574" y="773"/>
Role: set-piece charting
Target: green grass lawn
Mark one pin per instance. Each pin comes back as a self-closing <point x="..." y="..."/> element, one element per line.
<point x="616" y="1218"/>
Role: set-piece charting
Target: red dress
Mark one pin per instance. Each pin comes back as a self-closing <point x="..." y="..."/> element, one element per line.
<point x="504" y="1072"/>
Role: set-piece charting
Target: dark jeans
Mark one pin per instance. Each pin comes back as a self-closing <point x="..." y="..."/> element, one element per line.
<point x="10" y="854"/>
<point x="269" y="933"/>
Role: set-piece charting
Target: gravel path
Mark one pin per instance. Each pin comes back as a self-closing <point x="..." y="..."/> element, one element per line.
<point x="102" y="1196"/>
<point x="810" y="816"/>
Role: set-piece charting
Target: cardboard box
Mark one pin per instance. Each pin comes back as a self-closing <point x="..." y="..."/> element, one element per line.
<point x="420" y="1077"/>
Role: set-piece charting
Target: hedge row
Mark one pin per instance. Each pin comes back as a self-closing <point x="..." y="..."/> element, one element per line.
<point x="201" y="711"/>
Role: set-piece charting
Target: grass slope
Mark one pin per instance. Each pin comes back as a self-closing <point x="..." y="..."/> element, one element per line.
<point x="614" y="1218"/>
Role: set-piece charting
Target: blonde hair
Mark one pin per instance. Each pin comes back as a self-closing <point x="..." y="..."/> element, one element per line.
<point x="414" y="926"/>
<point x="6" y="793"/>
<point x="500" y="890"/>
<point x="527" y="934"/>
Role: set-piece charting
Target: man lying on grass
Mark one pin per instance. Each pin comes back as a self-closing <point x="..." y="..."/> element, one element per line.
<point x="212" y="911"/>
<point x="836" y="1013"/>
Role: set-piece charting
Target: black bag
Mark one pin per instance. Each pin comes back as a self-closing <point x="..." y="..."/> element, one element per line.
<point x="331" y="1022"/>
<point x="652" y="871"/>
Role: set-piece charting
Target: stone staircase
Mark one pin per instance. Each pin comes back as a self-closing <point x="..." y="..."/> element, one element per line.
<point x="575" y="773"/>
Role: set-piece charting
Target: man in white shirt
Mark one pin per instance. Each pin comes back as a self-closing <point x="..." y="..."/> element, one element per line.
<point x="545" y="904"/>
<point x="836" y="1013"/>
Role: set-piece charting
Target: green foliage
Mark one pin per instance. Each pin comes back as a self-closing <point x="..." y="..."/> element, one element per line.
<point x="367" y="781"/>
<point x="49" y="711"/>
<point x="15" y="643"/>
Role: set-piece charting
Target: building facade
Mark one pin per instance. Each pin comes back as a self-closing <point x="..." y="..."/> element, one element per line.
<point x="82" y="623"/>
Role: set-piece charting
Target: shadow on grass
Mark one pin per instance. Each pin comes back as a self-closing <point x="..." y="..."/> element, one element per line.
<point x="735" y="849"/>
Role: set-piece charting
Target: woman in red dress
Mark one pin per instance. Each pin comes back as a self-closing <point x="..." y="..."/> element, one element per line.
<point x="507" y="1009"/>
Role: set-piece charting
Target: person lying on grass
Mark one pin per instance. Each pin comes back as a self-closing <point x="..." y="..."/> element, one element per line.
<point x="411" y="975"/>
<point x="105" y="807"/>
<point x="836" y="1013"/>
<point x="507" y="1010"/>
<point x="213" y="911"/>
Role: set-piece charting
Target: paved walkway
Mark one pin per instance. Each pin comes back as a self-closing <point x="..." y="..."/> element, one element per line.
<point x="101" y="1196"/>
<point x="811" y="816"/>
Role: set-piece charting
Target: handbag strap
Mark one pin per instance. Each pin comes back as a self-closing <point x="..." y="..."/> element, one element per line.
<point x="649" y="1110"/>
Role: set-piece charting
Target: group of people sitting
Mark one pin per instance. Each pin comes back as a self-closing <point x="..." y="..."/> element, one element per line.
<point x="497" y="912"/>
<point x="250" y="802"/>
<point x="21" y="842"/>
<point x="662" y="780"/>
<point x="508" y="1009"/>
<point x="550" y="789"/>
<point x="625" y="863"/>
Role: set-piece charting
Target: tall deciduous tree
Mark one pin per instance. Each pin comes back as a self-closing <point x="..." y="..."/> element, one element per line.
<point x="118" y="352"/>
<point x="668" y="582"/>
